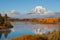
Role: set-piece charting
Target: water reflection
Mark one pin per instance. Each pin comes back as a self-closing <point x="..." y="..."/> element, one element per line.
<point x="32" y="26"/>
<point x="5" y="32"/>
<point x="21" y="28"/>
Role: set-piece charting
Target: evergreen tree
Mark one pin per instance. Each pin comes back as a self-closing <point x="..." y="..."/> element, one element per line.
<point x="1" y="20"/>
<point x="5" y="17"/>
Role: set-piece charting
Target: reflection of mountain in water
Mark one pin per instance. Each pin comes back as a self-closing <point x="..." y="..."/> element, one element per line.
<point x="40" y="31"/>
<point x="36" y="28"/>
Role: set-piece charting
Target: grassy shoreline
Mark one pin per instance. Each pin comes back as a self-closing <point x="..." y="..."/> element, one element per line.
<point x="55" y="35"/>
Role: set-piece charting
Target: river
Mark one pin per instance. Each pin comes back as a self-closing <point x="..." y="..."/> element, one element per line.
<point x="21" y="28"/>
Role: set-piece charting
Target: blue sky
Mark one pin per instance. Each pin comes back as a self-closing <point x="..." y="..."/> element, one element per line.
<point x="24" y="6"/>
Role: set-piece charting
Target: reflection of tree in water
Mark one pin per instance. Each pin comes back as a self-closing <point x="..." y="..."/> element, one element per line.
<point x="5" y="24"/>
<point x="6" y="32"/>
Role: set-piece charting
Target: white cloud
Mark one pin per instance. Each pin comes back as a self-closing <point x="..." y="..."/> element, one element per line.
<point x="49" y="13"/>
<point x="13" y="11"/>
<point x="13" y="14"/>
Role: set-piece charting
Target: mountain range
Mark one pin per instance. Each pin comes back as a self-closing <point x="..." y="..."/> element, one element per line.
<point x="37" y="12"/>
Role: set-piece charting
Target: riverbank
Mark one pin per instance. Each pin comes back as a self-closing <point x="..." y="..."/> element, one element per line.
<point x="55" y="20"/>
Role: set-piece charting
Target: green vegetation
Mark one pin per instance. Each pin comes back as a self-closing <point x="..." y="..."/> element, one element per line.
<point x="49" y="36"/>
<point x="5" y="22"/>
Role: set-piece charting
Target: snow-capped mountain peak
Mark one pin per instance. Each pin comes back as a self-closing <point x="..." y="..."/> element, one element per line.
<point x="38" y="9"/>
<point x="41" y="10"/>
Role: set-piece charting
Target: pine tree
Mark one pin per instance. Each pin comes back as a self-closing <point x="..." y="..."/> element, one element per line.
<point x="1" y="20"/>
<point x="5" y="17"/>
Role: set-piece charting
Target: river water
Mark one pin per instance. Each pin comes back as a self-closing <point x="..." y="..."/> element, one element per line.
<point x="21" y="28"/>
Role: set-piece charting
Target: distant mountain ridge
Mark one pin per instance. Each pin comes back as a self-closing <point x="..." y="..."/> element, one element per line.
<point x="37" y="12"/>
